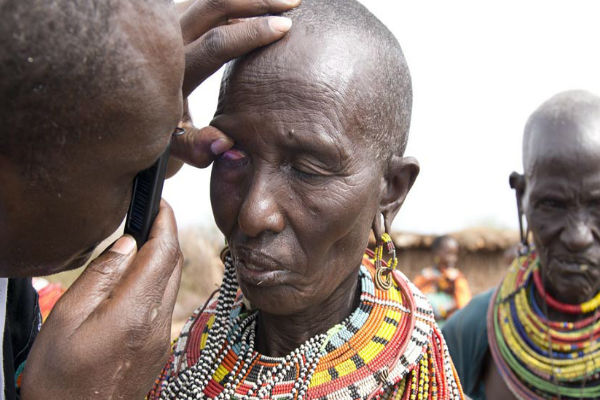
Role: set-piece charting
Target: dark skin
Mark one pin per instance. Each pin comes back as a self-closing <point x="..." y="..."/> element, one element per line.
<point x="560" y="194"/>
<point x="46" y="248"/>
<point x="108" y="337"/>
<point x="298" y="194"/>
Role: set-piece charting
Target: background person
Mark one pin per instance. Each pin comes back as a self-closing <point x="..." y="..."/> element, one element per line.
<point x="443" y="284"/>
<point x="537" y="335"/>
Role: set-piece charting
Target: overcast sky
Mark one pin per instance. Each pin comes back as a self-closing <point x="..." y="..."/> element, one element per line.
<point x="479" y="69"/>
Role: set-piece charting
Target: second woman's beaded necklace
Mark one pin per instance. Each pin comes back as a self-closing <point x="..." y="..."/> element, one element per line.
<point x="539" y="358"/>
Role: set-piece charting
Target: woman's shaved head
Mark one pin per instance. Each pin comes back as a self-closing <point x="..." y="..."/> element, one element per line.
<point x="342" y="47"/>
<point x="570" y="119"/>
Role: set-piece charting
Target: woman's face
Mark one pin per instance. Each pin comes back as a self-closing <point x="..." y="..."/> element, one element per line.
<point x="297" y="195"/>
<point x="562" y="204"/>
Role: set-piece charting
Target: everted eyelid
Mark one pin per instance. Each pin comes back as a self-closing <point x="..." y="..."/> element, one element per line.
<point x="234" y="154"/>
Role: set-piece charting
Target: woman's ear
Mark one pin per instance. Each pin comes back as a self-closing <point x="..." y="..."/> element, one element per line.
<point x="518" y="183"/>
<point x="400" y="175"/>
<point x="377" y="227"/>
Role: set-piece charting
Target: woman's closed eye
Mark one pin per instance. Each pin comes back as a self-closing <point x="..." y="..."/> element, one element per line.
<point x="308" y="171"/>
<point x="551" y="203"/>
<point x="594" y="202"/>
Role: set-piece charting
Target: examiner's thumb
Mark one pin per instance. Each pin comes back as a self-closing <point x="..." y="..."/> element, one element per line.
<point x="124" y="245"/>
<point x="98" y="280"/>
<point x="199" y="147"/>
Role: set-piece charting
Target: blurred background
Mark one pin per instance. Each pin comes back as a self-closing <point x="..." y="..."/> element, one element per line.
<point x="479" y="69"/>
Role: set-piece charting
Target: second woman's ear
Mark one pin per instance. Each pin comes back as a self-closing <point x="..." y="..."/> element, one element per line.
<point x="400" y="175"/>
<point x="517" y="182"/>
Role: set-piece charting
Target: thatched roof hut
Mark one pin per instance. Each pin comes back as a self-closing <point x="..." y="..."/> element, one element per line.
<point x="471" y="240"/>
<point x="485" y="253"/>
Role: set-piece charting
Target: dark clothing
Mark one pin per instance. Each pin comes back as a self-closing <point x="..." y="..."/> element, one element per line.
<point x="466" y="336"/>
<point x="23" y="322"/>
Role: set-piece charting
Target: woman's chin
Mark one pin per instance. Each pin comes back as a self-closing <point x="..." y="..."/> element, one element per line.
<point x="574" y="291"/>
<point x="275" y="300"/>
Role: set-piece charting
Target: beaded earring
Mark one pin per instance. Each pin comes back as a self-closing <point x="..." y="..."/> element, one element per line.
<point x="383" y="276"/>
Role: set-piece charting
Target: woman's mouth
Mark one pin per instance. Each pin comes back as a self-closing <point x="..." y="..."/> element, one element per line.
<point x="259" y="270"/>
<point x="572" y="266"/>
<point x="256" y="275"/>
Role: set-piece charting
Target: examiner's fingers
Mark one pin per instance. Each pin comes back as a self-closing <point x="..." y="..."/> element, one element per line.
<point x="98" y="280"/>
<point x="170" y="296"/>
<point x="155" y="262"/>
<point x="204" y="15"/>
<point x="186" y="123"/>
<point x="199" y="147"/>
<point x="221" y="44"/>
<point x="173" y="167"/>
<point x="181" y="7"/>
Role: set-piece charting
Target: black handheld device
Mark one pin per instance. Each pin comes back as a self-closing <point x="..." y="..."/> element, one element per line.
<point x="145" y="199"/>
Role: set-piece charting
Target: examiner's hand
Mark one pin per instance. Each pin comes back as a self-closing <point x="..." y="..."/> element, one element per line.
<point x="197" y="147"/>
<point x="108" y="336"/>
<point x="216" y="31"/>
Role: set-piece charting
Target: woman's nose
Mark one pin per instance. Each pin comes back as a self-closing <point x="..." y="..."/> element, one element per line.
<point x="260" y="209"/>
<point x="577" y="235"/>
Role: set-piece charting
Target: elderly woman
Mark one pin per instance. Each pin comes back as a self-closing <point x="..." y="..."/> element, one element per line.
<point x="320" y="122"/>
<point x="541" y="339"/>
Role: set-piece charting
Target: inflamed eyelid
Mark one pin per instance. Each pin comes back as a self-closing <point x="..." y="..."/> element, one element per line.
<point x="233" y="155"/>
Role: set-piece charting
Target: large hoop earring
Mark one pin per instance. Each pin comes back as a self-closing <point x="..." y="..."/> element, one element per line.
<point x="383" y="269"/>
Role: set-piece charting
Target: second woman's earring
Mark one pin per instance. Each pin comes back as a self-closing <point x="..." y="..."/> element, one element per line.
<point x="383" y="270"/>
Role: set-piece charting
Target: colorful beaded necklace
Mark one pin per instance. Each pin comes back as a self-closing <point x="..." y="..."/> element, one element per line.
<point x="386" y="349"/>
<point x="539" y="358"/>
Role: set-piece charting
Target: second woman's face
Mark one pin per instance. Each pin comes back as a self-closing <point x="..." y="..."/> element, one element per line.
<point x="562" y="204"/>
<point x="297" y="194"/>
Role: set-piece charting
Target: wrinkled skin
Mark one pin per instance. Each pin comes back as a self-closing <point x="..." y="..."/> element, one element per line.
<point x="561" y="200"/>
<point x="562" y="205"/>
<point x="108" y="336"/>
<point x="298" y="193"/>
